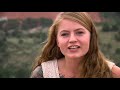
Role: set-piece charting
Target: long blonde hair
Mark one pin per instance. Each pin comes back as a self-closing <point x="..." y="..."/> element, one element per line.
<point x="94" y="63"/>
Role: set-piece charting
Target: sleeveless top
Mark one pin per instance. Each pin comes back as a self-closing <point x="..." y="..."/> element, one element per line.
<point x="50" y="68"/>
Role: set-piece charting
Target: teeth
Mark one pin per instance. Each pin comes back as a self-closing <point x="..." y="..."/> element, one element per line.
<point x="73" y="47"/>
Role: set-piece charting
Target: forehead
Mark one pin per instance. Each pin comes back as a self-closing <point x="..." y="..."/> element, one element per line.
<point x="67" y="24"/>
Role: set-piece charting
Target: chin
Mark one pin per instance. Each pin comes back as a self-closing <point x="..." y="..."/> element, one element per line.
<point x="75" y="57"/>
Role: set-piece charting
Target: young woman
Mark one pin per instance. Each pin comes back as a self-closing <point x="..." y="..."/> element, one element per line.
<point x="72" y="50"/>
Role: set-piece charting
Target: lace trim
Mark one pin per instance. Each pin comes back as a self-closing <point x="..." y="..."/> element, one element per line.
<point x="50" y="69"/>
<point x="110" y="64"/>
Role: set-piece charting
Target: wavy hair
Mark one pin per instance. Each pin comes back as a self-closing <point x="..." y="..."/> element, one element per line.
<point x="94" y="63"/>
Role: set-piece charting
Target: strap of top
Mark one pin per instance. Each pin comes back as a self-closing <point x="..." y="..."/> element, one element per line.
<point x="110" y="64"/>
<point x="50" y="69"/>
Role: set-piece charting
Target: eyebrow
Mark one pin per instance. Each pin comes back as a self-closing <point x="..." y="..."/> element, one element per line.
<point x="64" y="31"/>
<point x="74" y="30"/>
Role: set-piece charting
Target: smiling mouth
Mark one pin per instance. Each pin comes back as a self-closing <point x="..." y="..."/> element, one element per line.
<point x="74" y="47"/>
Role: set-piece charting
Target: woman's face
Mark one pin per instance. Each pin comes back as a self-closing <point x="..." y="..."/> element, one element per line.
<point x="73" y="39"/>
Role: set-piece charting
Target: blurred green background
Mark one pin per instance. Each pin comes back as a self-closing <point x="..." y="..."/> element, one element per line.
<point x="20" y="42"/>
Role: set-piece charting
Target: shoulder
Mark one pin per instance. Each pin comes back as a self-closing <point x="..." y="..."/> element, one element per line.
<point x="37" y="73"/>
<point x="50" y="69"/>
<point x="110" y="64"/>
<point x="48" y="64"/>
<point x="116" y="71"/>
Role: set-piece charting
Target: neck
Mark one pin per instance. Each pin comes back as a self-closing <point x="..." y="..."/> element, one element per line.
<point x="72" y="65"/>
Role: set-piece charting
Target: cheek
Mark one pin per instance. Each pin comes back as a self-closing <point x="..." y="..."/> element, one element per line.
<point x="62" y="47"/>
<point x="86" y="42"/>
<point x="61" y="42"/>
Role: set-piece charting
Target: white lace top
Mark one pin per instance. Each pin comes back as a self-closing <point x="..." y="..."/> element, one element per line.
<point x="50" y="68"/>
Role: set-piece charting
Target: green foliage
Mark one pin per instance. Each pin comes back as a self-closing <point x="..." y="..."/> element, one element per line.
<point x="32" y="23"/>
<point x="111" y="24"/>
<point x="2" y="24"/>
<point x="46" y="22"/>
<point x="19" y="46"/>
<point x="108" y="27"/>
<point x="117" y="51"/>
<point x="29" y="23"/>
<point x="3" y="47"/>
<point x="109" y="35"/>
<point x="12" y="24"/>
<point x="117" y="36"/>
<point x="18" y="49"/>
<point x="25" y="24"/>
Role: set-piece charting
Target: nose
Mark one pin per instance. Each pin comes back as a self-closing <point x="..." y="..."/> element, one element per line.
<point x="72" y="38"/>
